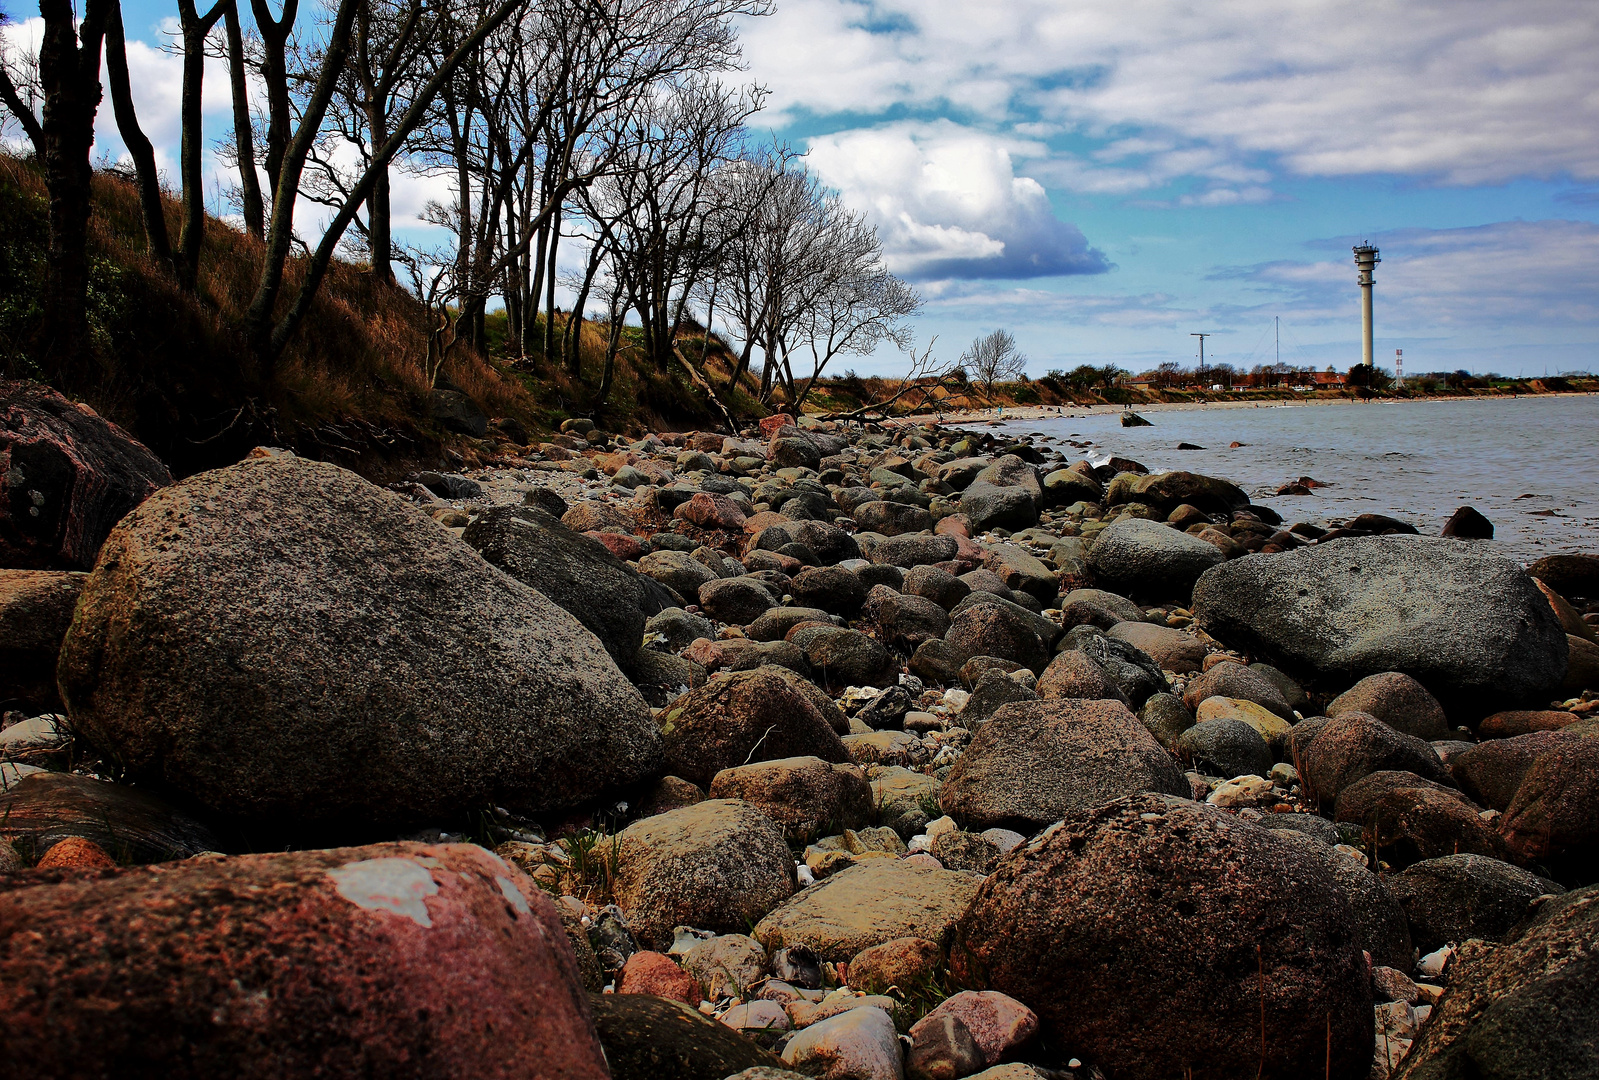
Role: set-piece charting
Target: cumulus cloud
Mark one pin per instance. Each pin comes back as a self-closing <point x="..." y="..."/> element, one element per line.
<point x="1455" y="91"/>
<point x="948" y="204"/>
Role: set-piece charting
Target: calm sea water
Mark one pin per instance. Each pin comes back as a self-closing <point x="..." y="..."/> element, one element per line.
<point x="1530" y="465"/>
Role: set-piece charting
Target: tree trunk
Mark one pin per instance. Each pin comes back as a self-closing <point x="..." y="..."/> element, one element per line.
<point x="192" y="236"/>
<point x="275" y="74"/>
<point x="156" y="237"/>
<point x="549" y="285"/>
<point x="250" y="204"/>
<point x="71" y="80"/>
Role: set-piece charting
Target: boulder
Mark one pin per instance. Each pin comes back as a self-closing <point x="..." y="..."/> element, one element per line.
<point x="991" y="507"/>
<point x="1147" y="558"/>
<point x="1456" y="897"/>
<point x="1156" y="899"/>
<point x="1398" y="701"/>
<point x="1467" y="523"/>
<point x="711" y="511"/>
<point x="1354" y="745"/>
<point x="1466" y="623"/>
<point x="842" y="657"/>
<point x="1406" y="825"/>
<point x="655" y="973"/>
<point x="1167" y="718"/>
<point x="1000" y="1025"/>
<point x="35" y="610"/>
<point x="915" y="549"/>
<point x="804" y="795"/>
<point x="903" y="798"/>
<point x="1066" y="486"/>
<point x="868" y="904"/>
<point x="1021" y="571"/>
<point x="936" y="584"/>
<point x="892" y="518"/>
<point x="1035" y="762"/>
<point x="860" y="1044"/>
<point x="736" y="600"/>
<point x="1554" y="816"/>
<point x="678" y="571"/>
<point x="42" y="809"/>
<point x="902" y="962"/>
<point x="717" y="865"/>
<point x="1232" y="680"/>
<point x="1572" y="576"/>
<point x="580" y="576"/>
<point x="831" y="588"/>
<point x="727" y="965"/>
<point x="1073" y="675"/>
<point x="992" y="690"/>
<point x="1225" y="748"/>
<point x="67" y="476"/>
<point x="281" y="641"/>
<point x="1172" y="649"/>
<point x="1513" y="722"/>
<point x="997" y="629"/>
<point x="1522" y="1009"/>
<point x="593" y="514"/>
<point x="350" y="962"/>
<point x="1491" y="772"/>
<point x="1166" y="491"/>
<point x="907" y="621"/>
<point x="1134" y="673"/>
<point x="653" y="1038"/>
<point x="764" y="714"/>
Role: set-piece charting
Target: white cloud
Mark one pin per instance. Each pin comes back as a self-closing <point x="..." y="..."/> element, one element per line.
<point x="948" y="203"/>
<point x="1458" y="91"/>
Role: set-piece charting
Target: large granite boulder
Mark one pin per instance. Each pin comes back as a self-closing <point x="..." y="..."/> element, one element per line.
<point x="1467" y="624"/>
<point x="1458" y="897"/>
<point x="1150" y="933"/>
<point x="1398" y="701"/>
<point x="1034" y="762"/>
<point x="67" y="476"/>
<point x="390" y="960"/>
<point x="281" y="641"/>
<point x="1167" y="491"/>
<point x="716" y="865"/>
<point x="1522" y="1010"/>
<point x="585" y="580"/>
<point x="804" y="795"/>
<point x="1148" y="558"/>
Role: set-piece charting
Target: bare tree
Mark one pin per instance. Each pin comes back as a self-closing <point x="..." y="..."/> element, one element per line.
<point x="992" y="359"/>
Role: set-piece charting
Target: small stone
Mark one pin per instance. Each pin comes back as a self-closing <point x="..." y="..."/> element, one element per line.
<point x="657" y="974"/>
<point x="76" y="853"/>
<point x="860" y="1044"/>
<point x="1435" y="963"/>
<point x="1242" y="791"/>
<point x="942" y="1049"/>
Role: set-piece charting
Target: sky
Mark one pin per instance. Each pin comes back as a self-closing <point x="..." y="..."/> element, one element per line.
<point x="1107" y="179"/>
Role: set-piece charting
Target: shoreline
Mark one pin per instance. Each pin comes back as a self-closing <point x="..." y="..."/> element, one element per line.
<point x="1021" y="413"/>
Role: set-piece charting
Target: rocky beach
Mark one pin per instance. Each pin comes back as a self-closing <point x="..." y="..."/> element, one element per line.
<point x="847" y="751"/>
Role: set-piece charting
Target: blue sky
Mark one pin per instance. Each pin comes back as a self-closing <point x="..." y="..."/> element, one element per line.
<point x="1104" y="179"/>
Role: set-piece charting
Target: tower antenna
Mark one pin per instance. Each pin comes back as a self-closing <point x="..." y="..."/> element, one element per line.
<point x="1201" y="338"/>
<point x="1366" y="260"/>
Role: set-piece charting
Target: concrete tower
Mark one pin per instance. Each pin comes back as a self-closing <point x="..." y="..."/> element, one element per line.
<point x="1366" y="261"/>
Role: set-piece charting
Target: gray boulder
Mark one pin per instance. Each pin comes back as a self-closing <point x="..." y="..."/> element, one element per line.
<point x="282" y="641"/>
<point x="1457" y="897"/>
<point x="990" y="507"/>
<point x="1225" y="748"/>
<point x="1034" y="762"/>
<point x="1467" y="624"/>
<point x="1147" y="558"/>
<point x="585" y="580"/>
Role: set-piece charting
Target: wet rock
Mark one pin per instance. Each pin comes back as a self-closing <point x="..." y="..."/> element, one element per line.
<point x="1491" y="772"/>
<point x="717" y="865"/>
<point x="1464" y="622"/>
<point x="866" y="905"/>
<point x="1456" y="897"/>
<point x="1150" y="559"/>
<point x="765" y="714"/>
<point x="649" y="1038"/>
<point x="1525" y="1008"/>
<point x="66" y="477"/>
<point x="908" y="621"/>
<point x="804" y="795"/>
<point x="1066" y="486"/>
<point x="1168" y="901"/>
<point x="1572" y="576"/>
<point x="346" y="963"/>
<point x="45" y="808"/>
<point x="1033" y="762"/>
<point x="35" y="610"/>
<point x="831" y="588"/>
<point x="1467" y="523"/>
<point x="231" y="626"/>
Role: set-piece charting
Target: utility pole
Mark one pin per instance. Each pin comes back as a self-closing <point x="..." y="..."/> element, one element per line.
<point x="1201" y="338"/>
<point x="1277" y="322"/>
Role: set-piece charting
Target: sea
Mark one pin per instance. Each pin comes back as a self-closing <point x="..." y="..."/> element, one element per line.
<point x="1530" y="465"/>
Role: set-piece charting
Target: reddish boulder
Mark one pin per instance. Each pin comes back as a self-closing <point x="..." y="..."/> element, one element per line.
<point x="1151" y="932"/>
<point x="711" y="511"/>
<point x="1491" y="772"/>
<point x="66" y="477"/>
<point x="760" y="715"/>
<point x="655" y="973"/>
<point x="1513" y="722"/>
<point x="389" y="960"/>
<point x="1554" y="816"/>
<point x="1357" y="744"/>
<point x="76" y="853"/>
<point x="623" y="546"/>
